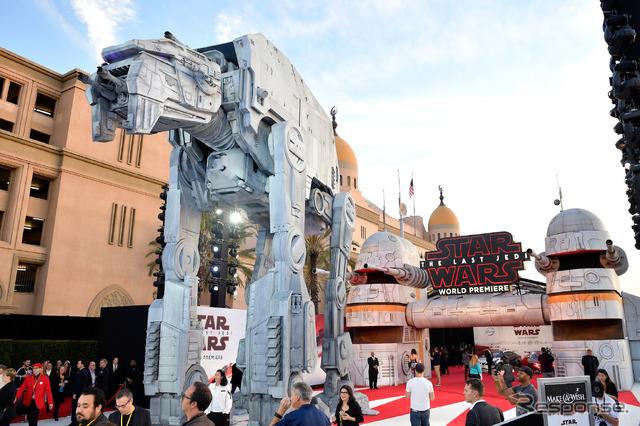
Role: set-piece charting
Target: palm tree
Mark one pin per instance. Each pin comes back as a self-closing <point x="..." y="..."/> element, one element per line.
<point x="319" y="257"/>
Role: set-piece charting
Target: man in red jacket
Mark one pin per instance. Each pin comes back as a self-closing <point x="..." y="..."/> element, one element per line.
<point x="34" y="388"/>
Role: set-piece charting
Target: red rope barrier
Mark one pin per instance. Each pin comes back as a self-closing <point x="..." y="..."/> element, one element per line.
<point x="114" y="395"/>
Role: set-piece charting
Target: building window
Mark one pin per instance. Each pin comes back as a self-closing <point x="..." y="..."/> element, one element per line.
<point x="132" y="218"/>
<point x="119" y="223"/>
<point x="112" y="223"/>
<point x="13" y="94"/>
<point x="1" y="218"/>
<point x="5" y="178"/>
<point x="32" y="233"/>
<point x="39" y="136"/>
<point x="132" y="146"/>
<point x="354" y="183"/>
<point x="123" y="214"/>
<point x="340" y="179"/>
<point x="39" y="187"/>
<point x="45" y="105"/>
<point x="348" y="180"/>
<point x="363" y="232"/>
<point x="438" y="235"/>
<point x="6" y="125"/>
<point x="25" y="277"/>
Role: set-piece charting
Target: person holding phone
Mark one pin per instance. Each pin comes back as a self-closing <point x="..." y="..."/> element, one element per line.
<point x="524" y="396"/>
<point x="348" y="411"/>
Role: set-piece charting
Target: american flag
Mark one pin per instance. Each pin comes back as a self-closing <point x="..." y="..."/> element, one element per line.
<point x="411" y="189"/>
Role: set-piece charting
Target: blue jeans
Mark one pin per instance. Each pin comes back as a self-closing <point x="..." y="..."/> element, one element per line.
<point x="419" y="418"/>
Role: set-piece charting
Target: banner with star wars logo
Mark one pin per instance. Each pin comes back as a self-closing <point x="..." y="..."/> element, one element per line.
<point x="222" y="330"/>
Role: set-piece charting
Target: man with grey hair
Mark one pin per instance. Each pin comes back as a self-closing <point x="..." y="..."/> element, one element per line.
<point x="304" y="413"/>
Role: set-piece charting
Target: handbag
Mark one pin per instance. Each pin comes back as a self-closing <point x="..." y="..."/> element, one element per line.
<point x="21" y="409"/>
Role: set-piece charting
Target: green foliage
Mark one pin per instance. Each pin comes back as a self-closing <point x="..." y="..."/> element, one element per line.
<point x="154" y="247"/>
<point x="13" y="352"/>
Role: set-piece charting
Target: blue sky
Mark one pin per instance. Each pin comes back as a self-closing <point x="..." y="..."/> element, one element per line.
<point x="490" y="99"/>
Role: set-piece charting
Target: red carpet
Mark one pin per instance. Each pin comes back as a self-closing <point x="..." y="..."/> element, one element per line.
<point x="449" y="393"/>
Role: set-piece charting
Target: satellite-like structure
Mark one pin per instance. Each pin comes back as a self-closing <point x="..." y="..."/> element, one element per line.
<point x="246" y="131"/>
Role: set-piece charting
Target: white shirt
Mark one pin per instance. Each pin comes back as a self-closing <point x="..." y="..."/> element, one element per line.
<point x="420" y="388"/>
<point x="608" y="405"/>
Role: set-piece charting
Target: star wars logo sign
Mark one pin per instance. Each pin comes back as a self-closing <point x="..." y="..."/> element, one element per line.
<point x="474" y="264"/>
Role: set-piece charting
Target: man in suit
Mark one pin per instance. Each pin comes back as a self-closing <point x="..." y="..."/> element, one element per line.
<point x="116" y="377"/>
<point x="81" y="382"/>
<point x="102" y="377"/>
<point x="590" y="364"/>
<point x="90" y="406"/>
<point x="373" y="371"/>
<point x="134" y="378"/>
<point x="129" y="414"/>
<point x="481" y="413"/>
<point x="34" y="389"/>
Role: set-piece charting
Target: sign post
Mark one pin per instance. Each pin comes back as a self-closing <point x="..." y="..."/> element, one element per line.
<point x="566" y="401"/>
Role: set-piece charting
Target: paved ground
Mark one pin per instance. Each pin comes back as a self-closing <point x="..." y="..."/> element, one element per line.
<point x="440" y="416"/>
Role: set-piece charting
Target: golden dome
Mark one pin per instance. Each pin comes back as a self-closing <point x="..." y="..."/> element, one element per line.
<point x="345" y="153"/>
<point x="443" y="215"/>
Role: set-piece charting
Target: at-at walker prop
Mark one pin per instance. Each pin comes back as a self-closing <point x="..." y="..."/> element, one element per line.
<point x="245" y="131"/>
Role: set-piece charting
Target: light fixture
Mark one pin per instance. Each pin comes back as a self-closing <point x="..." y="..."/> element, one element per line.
<point x="235" y="217"/>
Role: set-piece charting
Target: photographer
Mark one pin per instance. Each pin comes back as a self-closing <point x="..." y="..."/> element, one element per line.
<point x="604" y="407"/>
<point x="524" y="396"/>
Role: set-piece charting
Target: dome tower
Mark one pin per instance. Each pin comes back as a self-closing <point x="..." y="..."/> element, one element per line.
<point x="443" y="222"/>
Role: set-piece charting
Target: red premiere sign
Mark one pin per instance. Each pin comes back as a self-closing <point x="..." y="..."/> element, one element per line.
<point x="474" y="264"/>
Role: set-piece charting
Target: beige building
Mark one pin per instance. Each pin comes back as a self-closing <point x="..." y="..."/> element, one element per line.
<point x="76" y="217"/>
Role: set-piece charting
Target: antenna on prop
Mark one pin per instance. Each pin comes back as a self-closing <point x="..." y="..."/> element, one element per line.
<point x="558" y="201"/>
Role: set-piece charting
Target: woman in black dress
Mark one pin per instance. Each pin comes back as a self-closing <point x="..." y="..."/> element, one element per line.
<point x="7" y="396"/>
<point x="348" y="411"/>
<point x="59" y="384"/>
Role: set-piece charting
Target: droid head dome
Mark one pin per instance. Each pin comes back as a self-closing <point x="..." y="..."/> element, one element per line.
<point x="443" y="222"/>
<point x="387" y="250"/>
<point x="575" y="234"/>
<point x="575" y="230"/>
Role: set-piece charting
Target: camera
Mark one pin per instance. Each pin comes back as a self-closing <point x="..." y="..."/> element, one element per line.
<point x="497" y="366"/>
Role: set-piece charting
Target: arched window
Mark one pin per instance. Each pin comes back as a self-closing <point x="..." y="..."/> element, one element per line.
<point x="354" y="183"/>
<point x="348" y="180"/>
<point x="340" y="179"/>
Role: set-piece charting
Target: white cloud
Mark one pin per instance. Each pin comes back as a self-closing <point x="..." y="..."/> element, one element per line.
<point x="103" y="19"/>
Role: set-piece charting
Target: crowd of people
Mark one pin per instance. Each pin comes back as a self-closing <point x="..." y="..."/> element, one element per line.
<point x="44" y="386"/>
<point x="32" y="388"/>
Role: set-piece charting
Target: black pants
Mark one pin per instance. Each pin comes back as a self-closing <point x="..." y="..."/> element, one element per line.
<point x="466" y="371"/>
<point x="74" y="405"/>
<point x="56" y="408"/>
<point x="234" y="386"/>
<point x="219" y="419"/>
<point x="32" y="413"/>
<point x="373" y="379"/>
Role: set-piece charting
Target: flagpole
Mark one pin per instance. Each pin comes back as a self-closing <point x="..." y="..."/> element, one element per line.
<point x="400" y="206"/>
<point x="415" y="230"/>
<point x="384" y="213"/>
